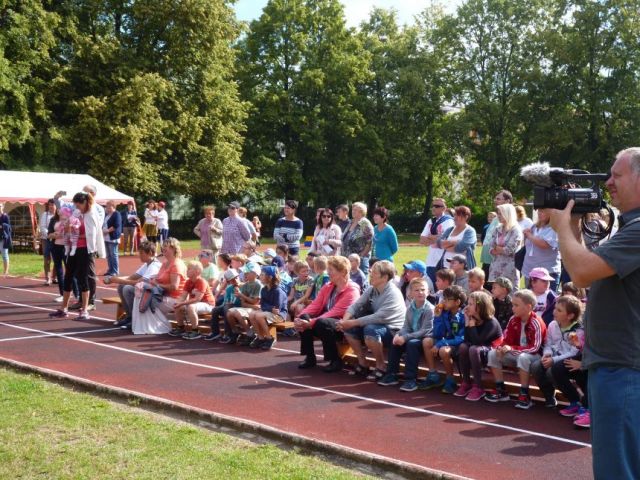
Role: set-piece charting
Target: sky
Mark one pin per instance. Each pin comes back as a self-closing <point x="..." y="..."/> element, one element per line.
<point x="355" y="10"/>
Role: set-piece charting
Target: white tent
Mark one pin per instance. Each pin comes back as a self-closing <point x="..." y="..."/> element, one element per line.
<point x="26" y="193"/>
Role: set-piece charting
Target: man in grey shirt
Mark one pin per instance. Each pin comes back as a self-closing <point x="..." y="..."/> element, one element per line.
<point x="612" y="322"/>
<point x="375" y="318"/>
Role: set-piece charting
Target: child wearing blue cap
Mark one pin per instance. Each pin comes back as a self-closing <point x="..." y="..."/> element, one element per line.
<point x="273" y="309"/>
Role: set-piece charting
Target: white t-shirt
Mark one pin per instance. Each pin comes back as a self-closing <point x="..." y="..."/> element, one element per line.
<point x="525" y="223"/>
<point x="541" y="303"/>
<point x="150" y="216"/>
<point x="149" y="270"/>
<point x="162" y="219"/>
<point x="434" y="252"/>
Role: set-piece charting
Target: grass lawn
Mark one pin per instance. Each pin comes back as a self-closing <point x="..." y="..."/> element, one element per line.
<point x="47" y="431"/>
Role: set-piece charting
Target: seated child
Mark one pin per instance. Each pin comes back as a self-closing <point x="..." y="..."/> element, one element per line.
<point x="546" y="299"/>
<point x="413" y="269"/>
<point x="520" y="347"/>
<point x="249" y="295"/>
<point x="229" y="300"/>
<point x="476" y="281"/>
<point x="569" y="288"/>
<point x="291" y="265"/>
<point x="321" y="275"/>
<point x="273" y="309"/>
<point x="300" y="293"/>
<point x="501" y="291"/>
<point x="224" y="263"/>
<point x="418" y="324"/>
<point x="310" y="257"/>
<point x="458" y="263"/>
<point x="237" y="263"/>
<point x="209" y="270"/>
<point x="481" y="332"/>
<point x="196" y="298"/>
<point x="356" y="275"/>
<point x="444" y="279"/>
<point x="564" y="336"/>
<point x="448" y="334"/>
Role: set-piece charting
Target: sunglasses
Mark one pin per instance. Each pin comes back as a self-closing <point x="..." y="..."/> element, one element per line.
<point x="327" y="216"/>
<point x="437" y="206"/>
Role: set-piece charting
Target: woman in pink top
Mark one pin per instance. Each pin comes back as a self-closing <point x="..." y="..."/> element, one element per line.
<point x="319" y="318"/>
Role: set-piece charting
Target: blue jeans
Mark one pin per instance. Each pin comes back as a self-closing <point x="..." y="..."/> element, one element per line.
<point x="163" y="234"/>
<point x="378" y="332"/>
<point x="413" y="349"/>
<point x="614" y="397"/>
<point x="112" y="258"/>
<point x="431" y="273"/>
<point x="364" y="265"/>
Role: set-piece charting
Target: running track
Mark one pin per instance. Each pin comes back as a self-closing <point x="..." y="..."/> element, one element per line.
<point x="476" y="440"/>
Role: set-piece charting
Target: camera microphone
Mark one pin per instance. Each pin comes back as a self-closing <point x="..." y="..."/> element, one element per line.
<point x="538" y="174"/>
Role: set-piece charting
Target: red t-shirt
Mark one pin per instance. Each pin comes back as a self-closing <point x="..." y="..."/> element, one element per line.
<point x="202" y="286"/>
<point x="82" y="235"/>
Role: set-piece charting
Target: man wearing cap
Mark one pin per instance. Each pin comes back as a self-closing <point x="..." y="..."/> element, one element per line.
<point x="546" y="298"/>
<point x="289" y="229"/>
<point x="458" y="263"/>
<point x="234" y="231"/>
<point x="413" y="269"/>
<point x="162" y="222"/>
<point x="612" y="321"/>
<point x="432" y="231"/>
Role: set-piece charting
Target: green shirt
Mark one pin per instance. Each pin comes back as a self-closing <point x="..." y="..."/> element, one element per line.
<point x="485" y="256"/>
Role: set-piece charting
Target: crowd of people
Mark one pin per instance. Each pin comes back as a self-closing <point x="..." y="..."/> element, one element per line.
<point x="517" y="310"/>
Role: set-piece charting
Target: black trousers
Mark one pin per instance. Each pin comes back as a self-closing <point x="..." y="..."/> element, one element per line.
<point x="325" y="330"/>
<point x="560" y="376"/>
<point x="78" y="266"/>
<point x="91" y="279"/>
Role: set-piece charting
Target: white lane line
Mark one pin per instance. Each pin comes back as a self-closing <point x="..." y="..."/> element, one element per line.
<point x="308" y="387"/>
<point x="51" y="334"/>
<point x="40" y="280"/>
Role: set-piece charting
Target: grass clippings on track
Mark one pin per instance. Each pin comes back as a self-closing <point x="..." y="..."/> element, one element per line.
<point x="48" y="431"/>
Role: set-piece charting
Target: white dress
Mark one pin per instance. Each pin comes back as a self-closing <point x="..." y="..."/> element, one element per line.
<point x="151" y="323"/>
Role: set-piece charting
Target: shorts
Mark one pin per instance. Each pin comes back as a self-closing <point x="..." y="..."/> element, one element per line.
<point x="203" y="307"/>
<point x="272" y="318"/>
<point x="381" y="333"/>
<point x="244" y="312"/>
<point x="47" y="248"/>
<point x="523" y="361"/>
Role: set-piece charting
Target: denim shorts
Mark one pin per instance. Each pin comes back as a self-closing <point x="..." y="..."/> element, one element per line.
<point x="381" y="333"/>
<point x="47" y="248"/>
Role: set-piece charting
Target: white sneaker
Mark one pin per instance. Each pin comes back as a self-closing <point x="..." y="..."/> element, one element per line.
<point x="58" y="299"/>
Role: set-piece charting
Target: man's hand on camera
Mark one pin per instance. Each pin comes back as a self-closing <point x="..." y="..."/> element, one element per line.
<point x="561" y="218"/>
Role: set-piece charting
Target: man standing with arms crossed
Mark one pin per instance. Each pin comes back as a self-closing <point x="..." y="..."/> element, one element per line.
<point x="431" y="233"/>
<point x="612" y="321"/>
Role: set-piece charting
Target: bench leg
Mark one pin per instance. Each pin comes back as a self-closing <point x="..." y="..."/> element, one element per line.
<point x="120" y="312"/>
<point x="272" y="330"/>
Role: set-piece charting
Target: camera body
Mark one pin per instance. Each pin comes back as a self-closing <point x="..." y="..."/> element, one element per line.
<point x="587" y="200"/>
<point x="554" y="187"/>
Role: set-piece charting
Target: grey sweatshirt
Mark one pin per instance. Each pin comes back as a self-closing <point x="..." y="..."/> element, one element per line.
<point x="384" y="308"/>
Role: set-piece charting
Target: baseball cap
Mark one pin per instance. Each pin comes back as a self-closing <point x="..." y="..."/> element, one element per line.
<point x="251" y="267"/>
<point x="230" y="274"/>
<point x="458" y="258"/>
<point x="416" y="266"/>
<point x="234" y="205"/>
<point x="206" y="253"/>
<point x="278" y="261"/>
<point x="269" y="271"/>
<point x="541" y="273"/>
<point x="270" y="252"/>
<point x="504" y="283"/>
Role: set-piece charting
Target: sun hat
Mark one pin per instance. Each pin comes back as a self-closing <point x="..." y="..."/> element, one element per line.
<point x="541" y="273"/>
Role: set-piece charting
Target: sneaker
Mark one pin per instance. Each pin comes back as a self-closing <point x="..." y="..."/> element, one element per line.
<point x="177" y="332"/>
<point x="58" y="299"/>
<point x="230" y="340"/>
<point x="83" y="316"/>
<point x="289" y="332"/>
<point x="524" y="402"/>
<point x="212" y="336"/>
<point x="409" y="386"/>
<point x="267" y="343"/>
<point x="463" y="390"/>
<point x="551" y="402"/>
<point x="244" y="340"/>
<point x="495" y="396"/>
<point x="475" y="394"/>
<point x="59" y="314"/>
<point x="47" y="283"/>
<point x="123" y="322"/>
<point x="75" y="306"/>
<point x="450" y="386"/>
<point x="432" y="381"/>
<point x="571" y="411"/>
<point x="256" y="342"/>
<point x="91" y="307"/>
<point x="388" y="380"/>
<point x="192" y="335"/>
<point x="375" y="375"/>
<point x="583" y="420"/>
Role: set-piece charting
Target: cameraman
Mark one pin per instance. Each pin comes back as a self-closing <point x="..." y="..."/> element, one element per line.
<point x="612" y="321"/>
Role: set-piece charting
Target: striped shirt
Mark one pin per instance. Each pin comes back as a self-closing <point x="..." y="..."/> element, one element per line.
<point x="234" y="233"/>
<point x="289" y="233"/>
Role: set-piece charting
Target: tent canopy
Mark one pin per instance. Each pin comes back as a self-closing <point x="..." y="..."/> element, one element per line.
<point x="37" y="187"/>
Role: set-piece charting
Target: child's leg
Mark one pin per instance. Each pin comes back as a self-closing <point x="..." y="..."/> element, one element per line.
<point x="562" y="378"/>
<point x="192" y="317"/>
<point x="445" y="355"/>
<point x="261" y="325"/>
<point x="232" y="319"/>
<point x="180" y="316"/>
<point x="427" y="348"/>
<point x="242" y="322"/>
<point x="525" y="360"/>
<point x="74" y="242"/>
<point x="495" y="363"/>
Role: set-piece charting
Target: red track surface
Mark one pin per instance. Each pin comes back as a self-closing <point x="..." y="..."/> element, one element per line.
<point x="477" y="440"/>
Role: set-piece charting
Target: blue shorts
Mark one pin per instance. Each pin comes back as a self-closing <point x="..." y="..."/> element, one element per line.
<point x="47" y="248"/>
<point x="381" y="333"/>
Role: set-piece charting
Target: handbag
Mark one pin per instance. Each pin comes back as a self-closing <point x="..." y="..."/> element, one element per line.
<point x="518" y="259"/>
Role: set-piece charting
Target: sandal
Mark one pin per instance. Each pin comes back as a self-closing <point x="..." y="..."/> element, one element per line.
<point x="360" y="371"/>
<point x="375" y="375"/>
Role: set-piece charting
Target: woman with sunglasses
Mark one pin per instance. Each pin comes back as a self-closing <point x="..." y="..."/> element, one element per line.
<point x="79" y="265"/>
<point x="327" y="237"/>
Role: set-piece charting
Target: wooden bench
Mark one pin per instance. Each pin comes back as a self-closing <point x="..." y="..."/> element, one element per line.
<point x="120" y="313"/>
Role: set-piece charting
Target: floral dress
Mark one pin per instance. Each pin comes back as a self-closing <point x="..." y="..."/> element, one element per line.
<point x="356" y="240"/>
<point x="503" y="265"/>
